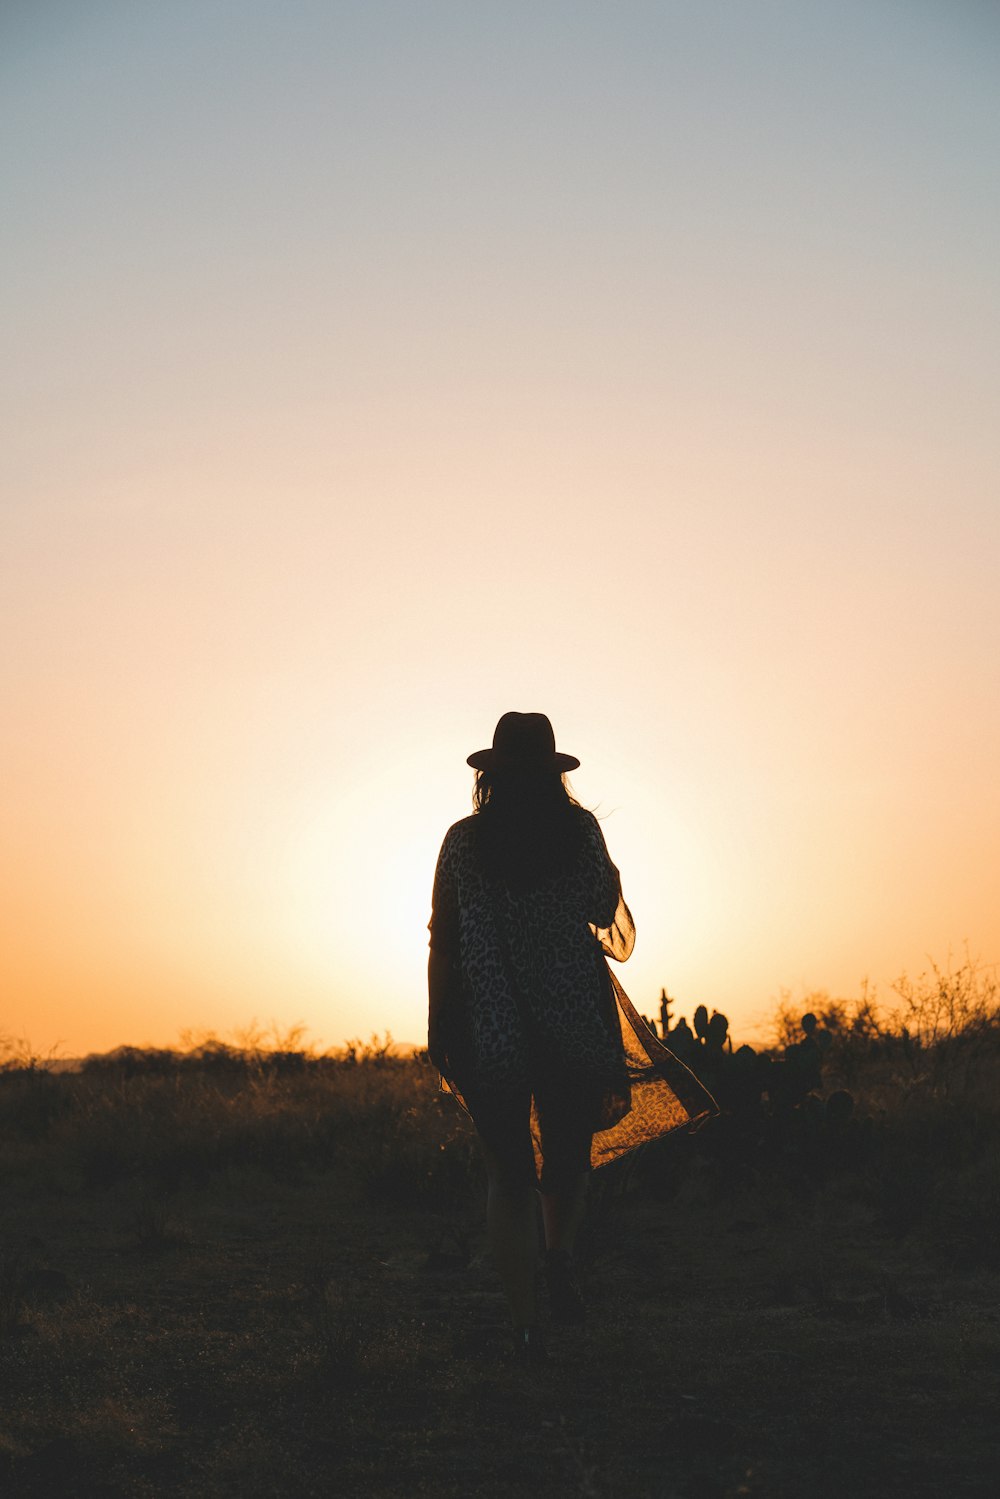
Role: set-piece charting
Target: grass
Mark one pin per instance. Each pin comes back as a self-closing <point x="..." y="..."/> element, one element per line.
<point x="232" y="1273"/>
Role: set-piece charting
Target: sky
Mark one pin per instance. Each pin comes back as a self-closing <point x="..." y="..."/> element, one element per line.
<point x="375" y="368"/>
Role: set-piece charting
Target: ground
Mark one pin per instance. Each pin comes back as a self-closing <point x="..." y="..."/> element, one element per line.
<point x="300" y="1329"/>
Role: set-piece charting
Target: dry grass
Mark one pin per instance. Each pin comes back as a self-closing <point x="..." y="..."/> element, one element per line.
<point x="226" y="1275"/>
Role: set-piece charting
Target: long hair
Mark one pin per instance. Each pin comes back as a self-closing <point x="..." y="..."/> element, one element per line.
<point x="528" y="826"/>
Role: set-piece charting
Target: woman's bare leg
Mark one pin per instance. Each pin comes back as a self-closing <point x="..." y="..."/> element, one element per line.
<point x="566" y="1147"/>
<point x="512" y="1225"/>
<point x="562" y="1212"/>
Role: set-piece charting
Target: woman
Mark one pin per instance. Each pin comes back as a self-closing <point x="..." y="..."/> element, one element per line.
<point x="526" y="1023"/>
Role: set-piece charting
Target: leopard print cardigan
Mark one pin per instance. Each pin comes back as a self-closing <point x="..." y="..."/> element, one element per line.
<point x="533" y="980"/>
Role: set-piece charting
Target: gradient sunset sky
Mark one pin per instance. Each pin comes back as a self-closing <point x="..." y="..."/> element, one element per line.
<point x="374" y="368"/>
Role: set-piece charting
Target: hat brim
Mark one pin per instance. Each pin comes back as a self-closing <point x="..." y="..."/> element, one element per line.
<point x="487" y="759"/>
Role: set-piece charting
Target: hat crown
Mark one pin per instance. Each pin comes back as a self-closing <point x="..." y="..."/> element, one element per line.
<point x="524" y="739"/>
<point x="523" y="742"/>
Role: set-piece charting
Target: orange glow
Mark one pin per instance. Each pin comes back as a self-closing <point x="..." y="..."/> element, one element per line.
<point x="346" y="421"/>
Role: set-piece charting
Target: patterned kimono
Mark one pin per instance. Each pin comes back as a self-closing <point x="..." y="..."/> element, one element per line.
<point x="532" y="988"/>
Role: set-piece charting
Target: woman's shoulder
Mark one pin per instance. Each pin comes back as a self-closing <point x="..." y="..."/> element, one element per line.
<point x="462" y="827"/>
<point x="591" y="835"/>
<point x="460" y="834"/>
<point x="587" y="822"/>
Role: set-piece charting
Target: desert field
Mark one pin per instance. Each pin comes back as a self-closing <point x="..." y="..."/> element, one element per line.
<point x="244" y="1272"/>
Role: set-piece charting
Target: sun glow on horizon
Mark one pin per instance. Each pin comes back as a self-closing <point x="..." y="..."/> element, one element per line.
<point x="634" y="365"/>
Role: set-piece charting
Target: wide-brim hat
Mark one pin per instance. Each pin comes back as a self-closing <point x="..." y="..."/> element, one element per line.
<point x="523" y="742"/>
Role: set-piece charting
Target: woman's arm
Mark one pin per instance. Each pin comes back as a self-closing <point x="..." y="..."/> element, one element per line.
<point x="610" y="918"/>
<point x="439" y="973"/>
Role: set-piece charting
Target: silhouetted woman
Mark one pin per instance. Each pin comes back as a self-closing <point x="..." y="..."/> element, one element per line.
<point x="527" y="1024"/>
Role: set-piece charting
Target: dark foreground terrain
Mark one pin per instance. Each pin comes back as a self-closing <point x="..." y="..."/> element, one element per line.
<point x="224" y="1274"/>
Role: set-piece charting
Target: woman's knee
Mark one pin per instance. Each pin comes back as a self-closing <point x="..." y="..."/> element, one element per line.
<point x="513" y="1180"/>
<point x="564" y="1179"/>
